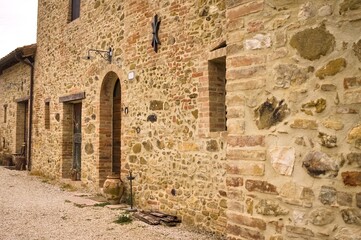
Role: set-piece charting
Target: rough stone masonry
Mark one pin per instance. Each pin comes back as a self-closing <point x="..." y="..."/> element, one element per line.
<point x="246" y="122"/>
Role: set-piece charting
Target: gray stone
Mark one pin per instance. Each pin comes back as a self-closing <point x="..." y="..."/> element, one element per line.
<point x="270" y="113"/>
<point x="321" y="216"/>
<point x="351" y="216"/>
<point x="327" y="195"/>
<point x="329" y="141"/>
<point x="270" y="208"/>
<point x="257" y="42"/>
<point x="290" y="75"/>
<point x="313" y="43"/>
<point x="283" y="159"/>
<point x="344" y="199"/>
<point x="320" y="165"/>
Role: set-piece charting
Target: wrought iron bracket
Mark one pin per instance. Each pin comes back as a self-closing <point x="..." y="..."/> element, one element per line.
<point x="107" y="55"/>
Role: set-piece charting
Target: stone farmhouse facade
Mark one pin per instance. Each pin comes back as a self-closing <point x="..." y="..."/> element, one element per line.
<point x="245" y="121"/>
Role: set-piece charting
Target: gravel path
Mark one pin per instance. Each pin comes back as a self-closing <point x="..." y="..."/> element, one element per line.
<point x="33" y="209"/>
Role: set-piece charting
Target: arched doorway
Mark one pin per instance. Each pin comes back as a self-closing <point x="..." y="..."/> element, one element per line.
<point x="110" y="127"/>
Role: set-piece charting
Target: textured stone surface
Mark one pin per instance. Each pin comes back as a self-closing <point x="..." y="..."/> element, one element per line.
<point x="351" y="178"/>
<point x="319" y="104"/>
<point x="270" y="208"/>
<point x="329" y="141"/>
<point x="354" y="134"/>
<point x="304" y="124"/>
<point x="270" y="113"/>
<point x="332" y="68"/>
<point x="325" y="10"/>
<point x="261" y="186"/>
<point x="208" y="169"/>
<point x="344" y="199"/>
<point x="322" y="216"/>
<point x="328" y="87"/>
<point x="290" y="75"/>
<point x="320" y="165"/>
<point x="299" y="231"/>
<point x="352" y="82"/>
<point x="327" y="195"/>
<point x="313" y="43"/>
<point x="349" y="5"/>
<point x="282" y="159"/>
<point x="354" y="158"/>
<point x="358" y="199"/>
<point x="257" y="42"/>
<point x="357" y="49"/>
<point x="351" y="216"/>
<point x="333" y="124"/>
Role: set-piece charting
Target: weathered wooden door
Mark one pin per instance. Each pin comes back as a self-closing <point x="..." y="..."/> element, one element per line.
<point x="116" y="153"/>
<point x="77" y="138"/>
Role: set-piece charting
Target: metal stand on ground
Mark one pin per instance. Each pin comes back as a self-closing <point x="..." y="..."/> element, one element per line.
<point x="131" y="178"/>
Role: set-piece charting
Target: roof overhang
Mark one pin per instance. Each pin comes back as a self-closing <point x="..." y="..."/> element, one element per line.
<point x="17" y="55"/>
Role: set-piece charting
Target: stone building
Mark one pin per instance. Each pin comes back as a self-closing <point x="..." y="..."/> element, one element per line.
<point x="244" y="121"/>
<point x="16" y="76"/>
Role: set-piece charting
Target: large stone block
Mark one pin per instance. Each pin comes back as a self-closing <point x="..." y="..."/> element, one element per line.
<point x="313" y="43"/>
<point x="270" y="113"/>
<point x="332" y="68"/>
<point x="320" y="165"/>
<point x="282" y="159"/>
<point x="261" y="186"/>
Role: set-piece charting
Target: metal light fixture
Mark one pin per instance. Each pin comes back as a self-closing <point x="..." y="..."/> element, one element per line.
<point x="107" y="55"/>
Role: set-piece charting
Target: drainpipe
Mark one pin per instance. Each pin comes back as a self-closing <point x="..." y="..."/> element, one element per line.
<point x="30" y="63"/>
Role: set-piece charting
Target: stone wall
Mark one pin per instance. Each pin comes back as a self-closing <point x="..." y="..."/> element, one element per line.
<point x="176" y="170"/>
<point x="293" y="169"/>
<point x="287" y="162"/>
<point x="14" y="89"/>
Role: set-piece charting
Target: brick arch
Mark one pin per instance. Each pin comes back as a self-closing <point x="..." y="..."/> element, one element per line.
<point x="105" y="126"/>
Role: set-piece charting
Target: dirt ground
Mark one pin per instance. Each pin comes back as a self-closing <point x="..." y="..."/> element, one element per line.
<point x="31" y="208"/>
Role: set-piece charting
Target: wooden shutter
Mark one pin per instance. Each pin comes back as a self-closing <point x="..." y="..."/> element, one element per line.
<point x="75" y="9"/>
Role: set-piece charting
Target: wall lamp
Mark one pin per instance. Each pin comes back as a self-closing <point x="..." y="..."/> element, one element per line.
<point x="107" y="55"/>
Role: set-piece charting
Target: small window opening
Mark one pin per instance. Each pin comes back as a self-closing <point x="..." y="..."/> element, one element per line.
<point x="74" y="9"/>
<point x="217" y="94"/>
<point x="47" y="115"/>
<point x="5" y="113"/>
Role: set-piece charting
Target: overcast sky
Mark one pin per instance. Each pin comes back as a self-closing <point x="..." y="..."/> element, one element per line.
<point x="17" y="24"/>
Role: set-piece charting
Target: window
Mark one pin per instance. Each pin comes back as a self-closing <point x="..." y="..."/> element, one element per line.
<point x="75" y="9"/>
<point x="217" y="94"/>
<point x="5" y="112"/>
<point x="47" y="115"/>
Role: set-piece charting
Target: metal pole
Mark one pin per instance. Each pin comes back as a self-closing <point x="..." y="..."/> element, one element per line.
<point x="131" y="178"/>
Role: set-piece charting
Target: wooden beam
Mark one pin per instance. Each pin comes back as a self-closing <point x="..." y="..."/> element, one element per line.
<point x="72" y="97"/>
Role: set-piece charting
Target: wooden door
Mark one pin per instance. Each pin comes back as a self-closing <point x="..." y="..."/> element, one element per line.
<point x="77" y="138"/>
<point x="116" y="153"/>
